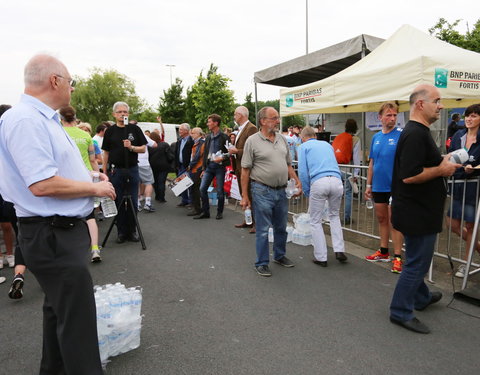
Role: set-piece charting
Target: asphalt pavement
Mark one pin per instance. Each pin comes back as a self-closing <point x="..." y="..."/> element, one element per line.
<point x="206" y="311"/>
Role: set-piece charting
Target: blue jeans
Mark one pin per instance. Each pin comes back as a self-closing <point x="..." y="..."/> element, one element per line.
<point x="186" y="194"/>
<point x="411" y="291"/>
<point x="271" y="210"/>
<point x="125" y="181"/>
<point x="347" y="207"/>
<point x="218" y="171"/>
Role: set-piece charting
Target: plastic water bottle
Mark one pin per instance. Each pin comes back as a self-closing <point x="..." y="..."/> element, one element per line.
<point x="136" y="305"/>
<point x="369" y="204"/>
<point x="248" y="216"/>
<point x="95" y="179"/>
<point x="109" y="208"/>
<point x="290" y="189"/>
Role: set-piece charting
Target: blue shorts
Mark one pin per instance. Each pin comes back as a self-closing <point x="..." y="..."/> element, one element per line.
<point x="468" y="211"/>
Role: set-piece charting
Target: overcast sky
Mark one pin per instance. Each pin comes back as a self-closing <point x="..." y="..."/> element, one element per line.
<point x="139" y="38"/>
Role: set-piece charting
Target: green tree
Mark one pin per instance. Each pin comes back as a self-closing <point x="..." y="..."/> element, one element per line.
<point x="190" y="107"/>
<point x="95" y="95"/>
<point x="147" y="115"/>
<point x="172" y="104"/>
<point x="446" y="31"/>
<point x="251" y="108"/>
<point x="210" y="94"/>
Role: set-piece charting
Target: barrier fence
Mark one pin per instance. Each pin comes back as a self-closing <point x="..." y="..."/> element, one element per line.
<point x="362" y="228"/>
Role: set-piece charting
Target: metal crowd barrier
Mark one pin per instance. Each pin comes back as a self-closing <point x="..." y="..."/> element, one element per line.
<point x="363" y="227"/>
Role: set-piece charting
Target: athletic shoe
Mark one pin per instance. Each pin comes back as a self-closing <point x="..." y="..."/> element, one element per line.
<point x="140" y="204"/>
<point x="149" y="208"/>
<point x="11" y="260"/>
<point x="460" y="271"/>
<point x="16" y="290"/>
<point x="2" y="279"/>
<point x="378" y="257"/>
<point x="397" y="265"/>
<point x="285" y="262"/>
<point x="264" y="271"/>
<point x="96" y="256"/>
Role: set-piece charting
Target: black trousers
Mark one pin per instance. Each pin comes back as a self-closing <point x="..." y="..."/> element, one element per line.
<point x="126" y="181"/>
<point x="195" y="189"/>
<point x="59" y="258"/>
<point x="159" y="184"/>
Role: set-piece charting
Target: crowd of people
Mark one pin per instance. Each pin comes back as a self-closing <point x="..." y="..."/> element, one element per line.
<point x="47" y="188"/>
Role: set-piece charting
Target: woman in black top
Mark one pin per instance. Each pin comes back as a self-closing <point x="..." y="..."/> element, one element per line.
<point x="160" y="159"/>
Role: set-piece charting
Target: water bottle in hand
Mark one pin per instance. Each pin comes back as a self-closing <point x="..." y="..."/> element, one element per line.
<point x="109" y="208"/>
<point x="95" y="179"/>
<point x="369" y="204"/>
<point x="248" y="216"/>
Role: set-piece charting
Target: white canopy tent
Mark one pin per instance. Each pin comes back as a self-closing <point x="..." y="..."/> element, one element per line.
<point x="390" y="72"/>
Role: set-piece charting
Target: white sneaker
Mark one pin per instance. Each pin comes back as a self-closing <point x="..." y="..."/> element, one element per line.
<point x="96" y="256"/>
<point x="11" y="260"/>
<point x="149" y="208"/>
<point x="460" y="271"/>
<point x="2" y="279"/>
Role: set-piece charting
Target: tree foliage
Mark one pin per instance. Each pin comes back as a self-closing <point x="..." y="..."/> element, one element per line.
<point x="172" y="104"/>
<point x="147" y="115"/>
<point x="251" y="108"/>
<point x="446" y="31"/>
<point x="209" y="94"/>
<point x="95" y="95"/>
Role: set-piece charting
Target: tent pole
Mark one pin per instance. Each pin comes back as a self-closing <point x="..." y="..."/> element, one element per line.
<point x="256" y="103"/>
<point x="364" y="137"/>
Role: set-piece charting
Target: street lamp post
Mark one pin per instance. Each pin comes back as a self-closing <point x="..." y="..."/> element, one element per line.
<point x="170" y="66"/>
<point x="306" y="24"/>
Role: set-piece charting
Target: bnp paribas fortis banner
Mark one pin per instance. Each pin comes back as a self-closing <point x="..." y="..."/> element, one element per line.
<point x="457" y="79"/>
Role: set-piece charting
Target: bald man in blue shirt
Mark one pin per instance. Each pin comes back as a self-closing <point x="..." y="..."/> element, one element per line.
<point x="44" y="176"/>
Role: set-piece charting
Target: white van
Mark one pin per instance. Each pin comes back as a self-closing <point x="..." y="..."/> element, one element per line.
<point x="171" y="130"/>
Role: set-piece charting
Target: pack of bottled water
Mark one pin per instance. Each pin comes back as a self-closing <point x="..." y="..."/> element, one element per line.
<point x="289" y="233"/>
<point x="119" y="319"/>
<point x="302" y="234"/>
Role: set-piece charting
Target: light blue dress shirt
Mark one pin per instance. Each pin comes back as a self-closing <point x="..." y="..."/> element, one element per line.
<point x="316" y="159"/>
<point x="33" y="148"/>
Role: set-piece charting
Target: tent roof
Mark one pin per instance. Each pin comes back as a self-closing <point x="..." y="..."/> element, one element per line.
<point x="408" y="58"/>
<point x="319" y="64"/>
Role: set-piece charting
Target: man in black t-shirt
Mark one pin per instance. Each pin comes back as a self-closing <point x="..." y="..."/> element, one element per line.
<point x="418" y="197"/>
<point x="121" y="145"/>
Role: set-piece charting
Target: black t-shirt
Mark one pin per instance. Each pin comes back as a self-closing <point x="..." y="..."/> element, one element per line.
<point x="113" y="143"/>
<point x="417" y="209"/>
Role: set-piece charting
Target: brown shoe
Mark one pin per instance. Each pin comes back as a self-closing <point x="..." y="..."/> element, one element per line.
<point x="243" y="225"/>
<point x="253" y="230"/>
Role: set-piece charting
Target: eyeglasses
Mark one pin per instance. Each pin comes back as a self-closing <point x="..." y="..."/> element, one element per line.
<point x="273" y="118"/>
<point x="437" y="102"/>
<point x="70" y="81"/>
<point x="121" y="111"/>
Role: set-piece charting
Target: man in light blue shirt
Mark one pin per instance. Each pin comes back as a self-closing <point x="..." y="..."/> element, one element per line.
<point x="44" y="176"/>
<point x="321" y="182"/>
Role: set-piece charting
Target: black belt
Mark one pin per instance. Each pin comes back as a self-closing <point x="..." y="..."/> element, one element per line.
<point x="55" y="221"/>
<point x="271" y="187"/>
